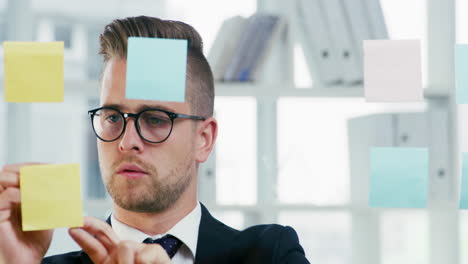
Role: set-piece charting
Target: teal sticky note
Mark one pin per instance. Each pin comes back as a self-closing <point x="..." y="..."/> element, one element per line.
<point x="398" y="177"/>
<point x="156" y="69"/>
<point x="461" y="73"/>
<point x="464" y="182"/>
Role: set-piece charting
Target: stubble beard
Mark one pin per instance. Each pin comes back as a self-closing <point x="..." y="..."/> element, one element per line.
<point x="149" y="194"/>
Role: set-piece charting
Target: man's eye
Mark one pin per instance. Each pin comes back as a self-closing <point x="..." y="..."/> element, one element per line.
<point x="154" y="121"/>
<point x="113" y="118"/>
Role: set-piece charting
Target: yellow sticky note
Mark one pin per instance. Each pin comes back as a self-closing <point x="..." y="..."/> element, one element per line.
<point x="51" y="196"/>
<point x="33" y="71"/>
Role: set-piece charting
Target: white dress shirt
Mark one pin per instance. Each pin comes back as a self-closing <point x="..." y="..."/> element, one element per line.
<point x="186" y="230"/>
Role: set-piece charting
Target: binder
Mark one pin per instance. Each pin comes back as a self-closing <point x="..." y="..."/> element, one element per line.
<point x="241" y="50"/>
<point x="316" y="41"/>
<point x="252" y="48"/>
<point x="378" y="27"/>
<point x="272" y="44"/>
<point x="258" y="49"/>
<point x="254" y="43"/>
<point x="224" y="47"/>
<point x="342" y="41"/>
<point x="359" y="26"/>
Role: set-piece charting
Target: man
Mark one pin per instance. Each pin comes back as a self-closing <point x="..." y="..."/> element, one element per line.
<point x="149" y="153"/>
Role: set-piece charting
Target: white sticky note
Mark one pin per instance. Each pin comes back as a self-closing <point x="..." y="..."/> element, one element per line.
<point x="392" y="71"/>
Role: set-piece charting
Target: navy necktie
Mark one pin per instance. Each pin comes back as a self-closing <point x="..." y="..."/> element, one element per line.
<point x="170" y="243"/>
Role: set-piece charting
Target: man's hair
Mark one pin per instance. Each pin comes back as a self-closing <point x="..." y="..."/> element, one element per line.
<point x="113" y="41"/>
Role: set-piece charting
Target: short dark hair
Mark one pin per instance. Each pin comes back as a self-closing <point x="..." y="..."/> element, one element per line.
<point x="113" y="43"/>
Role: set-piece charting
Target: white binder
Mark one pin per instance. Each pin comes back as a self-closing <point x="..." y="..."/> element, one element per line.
<point x="224" y="47"/>
<point x="376" y="18"/>
<point x="253" y="49"/>
<point x="260" y="71"/>
<point x="247" y="37"/>
<point x="268" y="25"/>
<point x="359" y="25"/>
<point x="342" y="39"/>
<point x="317" y="44"/>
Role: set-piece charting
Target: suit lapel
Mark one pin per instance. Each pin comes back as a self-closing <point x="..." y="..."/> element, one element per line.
<point x="214" y="239"/>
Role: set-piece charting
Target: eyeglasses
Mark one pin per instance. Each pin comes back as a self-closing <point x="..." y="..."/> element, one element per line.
<point x="153" y="125"/>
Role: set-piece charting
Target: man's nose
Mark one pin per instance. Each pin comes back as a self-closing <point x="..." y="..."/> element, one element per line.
<point x="131" y="140"/>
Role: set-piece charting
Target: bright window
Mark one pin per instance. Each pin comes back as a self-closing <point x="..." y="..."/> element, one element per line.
<point x="313" y="155"/>
<point x="236" y="150"/>
<point x="408" y="20"/>
<point x="405" y="237"/>
<point x="463" y="236"/>
<point x="325" y="237"/>
<point x="461" y="21"/>
<point x="234" y="219"/>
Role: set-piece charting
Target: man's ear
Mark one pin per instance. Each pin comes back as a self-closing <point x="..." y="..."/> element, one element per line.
<point x="207" y="132"/>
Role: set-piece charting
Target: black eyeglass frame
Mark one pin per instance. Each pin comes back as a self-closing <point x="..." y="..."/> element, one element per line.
<point x="136" y="116"/>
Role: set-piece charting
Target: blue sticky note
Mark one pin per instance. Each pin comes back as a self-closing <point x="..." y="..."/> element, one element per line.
<point x="464" y="182"/>
<point x="156" y="69"/>
<point x="398" y="177"/>
<point x="461" y="73"/>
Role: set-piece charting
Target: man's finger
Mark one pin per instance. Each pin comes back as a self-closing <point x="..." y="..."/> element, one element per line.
<point x="9" y="179"/>
<point x="95" y="249"/>
<point x="126" y="252"/>
<point x="4" y="215"/>
<point x="152" y="253"/>
<point x="9" y="197"/>
<point x="15" y="168"/>
<point x="102" y="231"/>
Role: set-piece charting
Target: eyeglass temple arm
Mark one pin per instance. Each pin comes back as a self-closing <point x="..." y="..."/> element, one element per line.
<point x="190" y="117"/>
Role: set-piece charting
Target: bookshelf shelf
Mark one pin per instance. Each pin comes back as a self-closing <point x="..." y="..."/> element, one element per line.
<point x="286" y="89"/>
<point x="90" y="89"/>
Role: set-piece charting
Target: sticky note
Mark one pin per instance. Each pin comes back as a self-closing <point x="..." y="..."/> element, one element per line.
<point x="392" y="71"/>
<point x="464" y="182"/>
<point x="33" y="71"/>
<point x="398" y="177"/>
<point x="156" y="69"/>
<point x="461" y="73"/>
<point x="51" y="196"/>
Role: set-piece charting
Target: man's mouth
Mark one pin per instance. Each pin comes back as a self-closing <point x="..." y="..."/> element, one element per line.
<point x="131" y="171"/>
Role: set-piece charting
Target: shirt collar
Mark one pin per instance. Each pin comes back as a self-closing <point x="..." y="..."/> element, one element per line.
<point x="186" y="230"/>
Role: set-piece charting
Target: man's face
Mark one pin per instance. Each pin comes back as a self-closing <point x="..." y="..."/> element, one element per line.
<point x="142" y="176"/>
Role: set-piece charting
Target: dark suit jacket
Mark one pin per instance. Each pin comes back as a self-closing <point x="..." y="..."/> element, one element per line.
<point x="219" y="244"/>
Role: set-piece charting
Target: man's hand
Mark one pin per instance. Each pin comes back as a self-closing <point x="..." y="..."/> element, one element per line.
<point x="15" y="245"/>
<point x="103" y="246"/>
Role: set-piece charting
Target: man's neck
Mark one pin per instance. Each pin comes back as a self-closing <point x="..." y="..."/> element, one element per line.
<point x="155" y="223"/>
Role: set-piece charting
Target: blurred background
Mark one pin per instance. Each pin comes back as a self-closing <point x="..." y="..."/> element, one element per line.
<point x="292" y="147"/>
